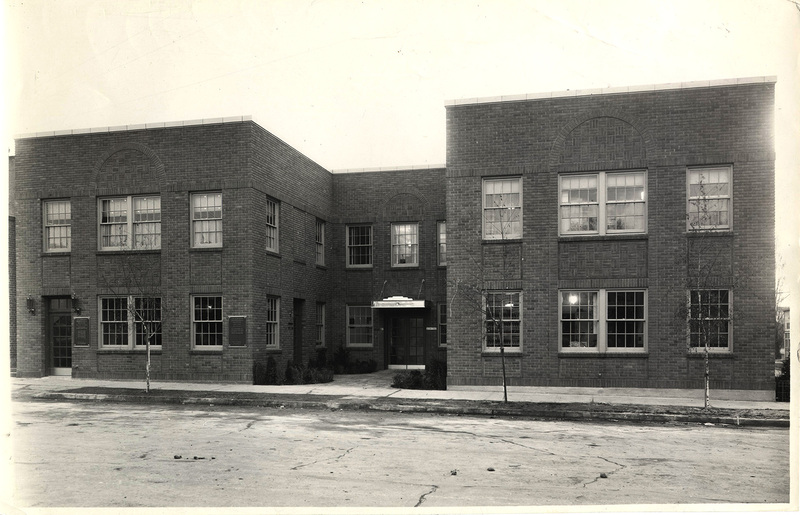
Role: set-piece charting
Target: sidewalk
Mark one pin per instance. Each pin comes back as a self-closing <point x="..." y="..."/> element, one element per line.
<point x="374" y="392"/>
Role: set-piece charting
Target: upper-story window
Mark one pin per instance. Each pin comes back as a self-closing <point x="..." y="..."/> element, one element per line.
<point x="442" y="243"/>
<point x="502" y="208"/>
<point x="57" y="225"/>
<point x="603" y="203"/>
<point x="273" y="215"/>
<point x="709" y="198"/>
<point x="320" y="242"/>
<point x="206" y="220"/>
<point x="130" y="223"/>
<point x="405" y="245"/>
<point x="359" y="246"/>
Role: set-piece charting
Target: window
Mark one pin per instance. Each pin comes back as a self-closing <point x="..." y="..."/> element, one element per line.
<point x="603" y="320"/>
<point x="359" y="246"/>
<point x="603" y="203"/>
<point x="502" y="321"/>
<point x="273" y="322"/>
<point x="442" y="232"/>
<point x="124" y="216"/>
<point x="273" y="211"/>
<point x="320" y="240"/>
<point x="127" y="322"/>
<point x="320" y="324"/>
<point x="709" y="320"/>
<point x="206" y="220"/>
<point x="405" y="245"/>
<point x="359" y="326"/>
<point x="502" y="209"/>
<point x="207" y="322"/>
<point x="709" y="192"/>
<point x="57" y="226"/>
<point x="442" y="325"/>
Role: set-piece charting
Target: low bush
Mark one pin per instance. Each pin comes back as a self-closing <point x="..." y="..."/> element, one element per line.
<point x="434" y="378"/>
<point x="410" y="380"/>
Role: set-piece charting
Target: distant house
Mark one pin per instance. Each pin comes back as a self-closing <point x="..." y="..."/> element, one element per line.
<point x="571" y="215"/>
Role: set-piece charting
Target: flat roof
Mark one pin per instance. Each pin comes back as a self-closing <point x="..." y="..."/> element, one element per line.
<point x="390" y="168"/>
<point x="612" y="91"/>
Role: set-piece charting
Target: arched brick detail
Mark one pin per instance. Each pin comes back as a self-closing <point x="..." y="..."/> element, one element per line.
<point x="636" y="146"/>
<point x="406" y="205"/>
<point x="128" y="165"/>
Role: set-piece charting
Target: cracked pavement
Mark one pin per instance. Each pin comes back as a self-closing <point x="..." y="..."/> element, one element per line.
<point x="128" y="455"/>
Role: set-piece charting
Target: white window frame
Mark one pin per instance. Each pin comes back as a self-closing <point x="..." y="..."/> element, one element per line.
<point x="503" y="320"/>
<point x="441" y="313"/>
<point x="272" y="229"/>
<point x="414" y="245"/>
<point x="196" y="222"/>
<point x="602" y="203"/>
<point x="351" y="247"/>
<point x="320" y="242"/>
<point x="130" y="224"/>
<point x="64" y="226"/>
<point x="221" y="319"/>
<point x="601" y="322"/>
<point x="516" y="207"/>
<point x="350" y="326"/>
<point x="720" y="350"/>
<point x="710" y="197"/>
<point x="441" y="243"/>
<point x="320" y="325"/>
<point x="272" y="314"/>
<point x="132" y="324"/>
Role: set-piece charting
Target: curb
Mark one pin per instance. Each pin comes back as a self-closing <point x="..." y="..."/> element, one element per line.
<point x="451" y="409"/>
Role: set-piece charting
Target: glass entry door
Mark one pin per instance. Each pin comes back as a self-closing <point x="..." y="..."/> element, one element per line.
<point x="59" y="329"/>
<point x="406" y="342"/>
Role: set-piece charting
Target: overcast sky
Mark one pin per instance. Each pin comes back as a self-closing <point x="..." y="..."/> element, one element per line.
<point x="356" y="84"/>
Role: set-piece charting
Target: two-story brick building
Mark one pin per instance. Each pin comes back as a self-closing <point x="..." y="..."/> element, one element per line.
<point x="598" y="237"/>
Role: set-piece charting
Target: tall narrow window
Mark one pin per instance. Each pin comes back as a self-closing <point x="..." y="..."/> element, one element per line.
<point x="320" y="242"/>
<point x="502" y="209"/>
<point x="57" y="226"/>
<point x="273" y="318"/>
<point x="114" y="322"/>
<point x="359" y="326"/>
<point x="359" y="246"/>
<point x="709" y="320"/>
<point x="579" y="205"/>
<point x="320" y="324"/>
<point x="272" y="225"/>
<point x="579" y="323"/>
<point x="206" y="220"/>
<point x="502" y="320"/>
<point x="442" y="325"/>
<point x="442" y="251"/>
<point x="207" y="322"/>
<point x="405" y="245"/>
<point x="147" y="222"/>
<point x="114" y="223"/>
<point x="709" y="192"/>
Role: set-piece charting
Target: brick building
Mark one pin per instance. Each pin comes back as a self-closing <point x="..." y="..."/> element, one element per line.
<point x="568" y="229"/>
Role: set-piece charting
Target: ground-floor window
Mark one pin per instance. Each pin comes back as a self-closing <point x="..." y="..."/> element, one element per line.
<point x="273" y="321"/>
<point x="128" y="322"/>
<point x="320" y="324"/>
<point x="603" y="320"/>
<point x="710" y="319"/>
<point x="207" y="321"/>
<point x="503" y="321"/>
<point x="442" y="325"/>
<point x="359" y="326"/>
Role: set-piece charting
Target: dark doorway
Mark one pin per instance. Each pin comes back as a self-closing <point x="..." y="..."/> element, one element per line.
<point x="59" y="336"/>
<point x="406" y="342"/>
<point x="298" y="331"/>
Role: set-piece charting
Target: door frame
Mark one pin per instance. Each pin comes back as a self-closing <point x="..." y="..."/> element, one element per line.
<point x="50" y="315"/>
<point x="407" y="316"/>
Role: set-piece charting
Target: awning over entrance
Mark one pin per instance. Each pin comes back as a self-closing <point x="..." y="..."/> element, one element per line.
<point x="398" y="302"/>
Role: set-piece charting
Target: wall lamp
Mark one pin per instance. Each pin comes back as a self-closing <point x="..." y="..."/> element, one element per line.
<point x="31" y="305"/>
<point x="76" y="304"/>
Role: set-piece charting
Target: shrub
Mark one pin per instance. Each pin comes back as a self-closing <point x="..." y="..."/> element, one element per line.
<point x="265" y="373"/>
<point x="411" y="380"/>
<point x="434" y="378"/>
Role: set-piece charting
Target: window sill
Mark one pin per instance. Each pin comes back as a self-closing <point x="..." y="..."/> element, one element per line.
<point x="214" y="350"/>
<point x="358" y="268"/>
<point x="322" y="267"/>
<point x="407" y="267"/>
<point x="360" y="347"/>
<point x="127" y="252"/>
<point x="603" y="237"/>
<point x="712" y="354"/>
<point x="273" y="253"/>
<point x="60" y="253"/>
<point x="127" y="351"/>
<point x="496" y="353"/>
<point x="206" y="249"/>
<point x="713" y="233"/>
<point x="598" y="354"/>
<point x="273" y="350"/>
<point x="501" y="241"/>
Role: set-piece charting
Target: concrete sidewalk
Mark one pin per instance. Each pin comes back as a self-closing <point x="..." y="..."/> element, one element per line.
<point x="374" y="391"/>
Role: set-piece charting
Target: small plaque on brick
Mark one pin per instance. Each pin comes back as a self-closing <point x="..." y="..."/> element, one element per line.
<point x="80" y="332"/>
<point x="237" y="331"/>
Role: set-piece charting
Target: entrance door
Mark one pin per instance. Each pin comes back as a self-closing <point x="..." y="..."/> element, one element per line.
<point x="406" y="343"/>
<point x="59" y="337"/>
<point x="298" y="332"/>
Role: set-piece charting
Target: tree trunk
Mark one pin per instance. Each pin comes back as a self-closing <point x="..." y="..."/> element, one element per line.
<point x="503" y="362"/>
<point x="147" y="367"/>
<point x="707" y="371"/>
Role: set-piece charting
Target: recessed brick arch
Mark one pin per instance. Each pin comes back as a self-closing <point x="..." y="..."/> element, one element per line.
<point x="630" y="143"/>
<point x="409" y="204"/>
<point x="128" y="165"/>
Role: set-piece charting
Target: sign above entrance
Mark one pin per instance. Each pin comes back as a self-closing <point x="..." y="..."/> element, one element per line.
<point x="398" y="302"/>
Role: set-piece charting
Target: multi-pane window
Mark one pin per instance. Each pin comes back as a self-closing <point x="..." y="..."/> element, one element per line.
<point x="443" y="325"/>
<point x="127" y="322"/>
<point x="442" y="242"/>
<point x="359" y="246"/>
<point x="122" y="217"/>
<point x="709" y="319"/>
<point x="359" y="326"/>
<point x="709" y="197"/>
<point x="273" y="318"/>
<point x="503" y="320"/>
<point x="603" y="320"/>
<point x="320" y="242"/>
<point x="207" y="220"/>
<point x="273" y="211"/>
<point x="502" y="208"/>
<point x="57" y="225"/>
<point x="320" y="324"/>
<point x="405" y="245"/>
<point x="603" y="203"/>
<point x="207" y="321"/>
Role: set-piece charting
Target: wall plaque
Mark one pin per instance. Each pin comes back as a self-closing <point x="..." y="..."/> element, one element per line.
<point x="80" y="332"/>
<point x="237" y="331"/>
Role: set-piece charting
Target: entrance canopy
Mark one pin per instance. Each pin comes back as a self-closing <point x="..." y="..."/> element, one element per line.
<point x="398" y="302"/>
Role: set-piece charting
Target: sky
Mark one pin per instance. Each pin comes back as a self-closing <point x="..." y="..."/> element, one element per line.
<point x="355" y="84"/>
